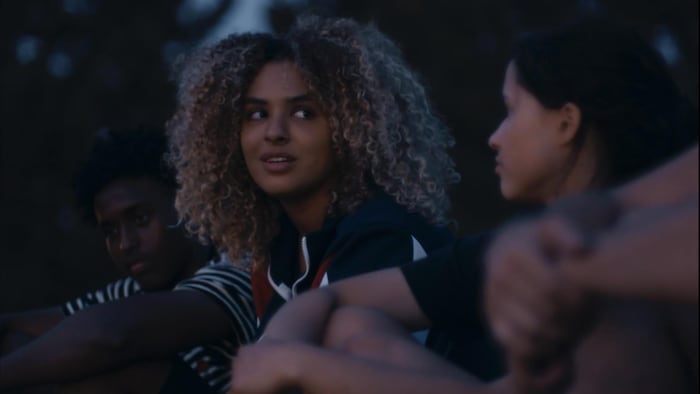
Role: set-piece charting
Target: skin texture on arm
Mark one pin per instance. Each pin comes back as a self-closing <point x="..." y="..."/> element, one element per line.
<point x="18" y="328"/>
<point x="107" y="336"/>
<point x="560" y="253"/>
<point x="535" y="313"/>
<point x="673" y="182"/>
<point x="276" y="367"/>
<point x="305" y="317"/>
<point x="650" y="254"/>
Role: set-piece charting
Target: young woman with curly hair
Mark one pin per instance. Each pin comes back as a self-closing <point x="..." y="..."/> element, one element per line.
<point x="314" y="156"/>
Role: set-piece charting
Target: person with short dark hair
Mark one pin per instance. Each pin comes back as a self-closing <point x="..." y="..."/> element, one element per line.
<point x="174" y="321"/>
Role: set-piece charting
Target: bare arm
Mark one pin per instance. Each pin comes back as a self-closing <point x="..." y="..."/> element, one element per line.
<point x="534" y="268"/>
<point x="274" y="367"/>
<point x="18" y="328"/>
<point x="652" y="253"/>
<point x="111" y="335"/>
<point x="673" y="182"/>
<point x="304" y="318"/>
<point x="289" y="361"/>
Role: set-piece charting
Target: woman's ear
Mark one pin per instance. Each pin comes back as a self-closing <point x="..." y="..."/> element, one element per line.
<point x="570" y="122"/>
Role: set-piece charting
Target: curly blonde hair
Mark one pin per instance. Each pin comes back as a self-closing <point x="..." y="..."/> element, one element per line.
<point x="385" y="134"/>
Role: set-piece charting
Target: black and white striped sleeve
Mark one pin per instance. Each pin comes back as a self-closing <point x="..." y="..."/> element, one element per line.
<point x="116" y="290"/>
<point x="230" y="287"/>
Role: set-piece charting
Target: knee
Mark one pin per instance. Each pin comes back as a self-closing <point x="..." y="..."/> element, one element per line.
<point x="358" y="327"/>
<point x="347" y="323"/>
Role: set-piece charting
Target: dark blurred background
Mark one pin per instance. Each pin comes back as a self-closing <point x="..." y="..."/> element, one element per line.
<point x="72" y="67"/>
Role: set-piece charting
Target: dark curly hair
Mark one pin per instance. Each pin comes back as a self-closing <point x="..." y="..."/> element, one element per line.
<point x="116" y="154"/>
<point x="622" y="86"/>
<point x="385" y="133"/>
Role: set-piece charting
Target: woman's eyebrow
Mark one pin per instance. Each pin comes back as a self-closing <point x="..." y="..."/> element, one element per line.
<point x="300" y="98"/>
<point x="253" y="100"/>
<point x="293" y="99"/>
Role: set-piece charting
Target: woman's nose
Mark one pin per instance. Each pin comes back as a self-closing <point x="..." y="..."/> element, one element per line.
<point x="277" y="130"/>
<point x="495" y="138"/>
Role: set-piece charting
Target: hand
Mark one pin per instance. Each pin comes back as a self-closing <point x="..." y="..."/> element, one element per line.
<point x="533" y="310"/>
<point x="268" y="366"/>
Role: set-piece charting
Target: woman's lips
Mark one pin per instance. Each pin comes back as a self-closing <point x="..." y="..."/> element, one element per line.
<point x="277" y="163"/>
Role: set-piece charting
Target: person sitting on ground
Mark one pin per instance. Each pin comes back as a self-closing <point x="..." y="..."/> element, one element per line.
<point x="171" y="324"/>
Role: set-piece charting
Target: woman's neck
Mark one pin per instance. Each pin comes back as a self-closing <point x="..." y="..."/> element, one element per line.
<point x="307" y="214"/>
<point x="586" y="172"/>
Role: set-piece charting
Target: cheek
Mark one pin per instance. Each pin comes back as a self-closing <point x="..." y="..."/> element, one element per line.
<point x="155" y="235"/>
<point x="245" y="145"/>
<point x="523" y="140"/>
<point x="520" y="161"/>
<point x="511" y="146"/>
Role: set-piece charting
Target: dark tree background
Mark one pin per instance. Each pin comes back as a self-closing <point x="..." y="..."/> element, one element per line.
<point x="72" y="67"/>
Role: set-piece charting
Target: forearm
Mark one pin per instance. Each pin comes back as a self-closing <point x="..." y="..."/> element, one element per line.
<point x="19" y="328"/>
<point x="33" y="322"/>
<point x="67" y="353"/>
<point x="652" y="253"/>
<point x="324" y="371"/>
<point x="11" y="341"/>
<point x="103" y="337"/>
<point x="673" y="182"/>
<point x="303" y="319"/>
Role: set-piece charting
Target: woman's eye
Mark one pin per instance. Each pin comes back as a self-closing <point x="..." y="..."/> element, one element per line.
<point x="303" y="113"/>
<point x="256" y="115"/>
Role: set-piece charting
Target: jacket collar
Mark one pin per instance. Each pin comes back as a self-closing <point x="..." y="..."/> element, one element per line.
<point x="282" y="271"/>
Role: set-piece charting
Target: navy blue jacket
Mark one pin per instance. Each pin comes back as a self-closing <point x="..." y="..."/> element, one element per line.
<point x="380" y="233"/>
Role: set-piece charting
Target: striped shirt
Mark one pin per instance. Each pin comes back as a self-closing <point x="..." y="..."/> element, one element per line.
<point x="226" y="285"/>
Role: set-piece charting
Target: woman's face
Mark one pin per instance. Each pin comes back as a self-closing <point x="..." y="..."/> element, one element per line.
<point x="285" y="137"/>
<point x="530" y="157"/>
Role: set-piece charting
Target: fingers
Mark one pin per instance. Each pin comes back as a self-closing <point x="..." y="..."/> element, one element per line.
<point x="529" y="303"/>
<point x="520" y="290"/>
<point x="558" y="238"/>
